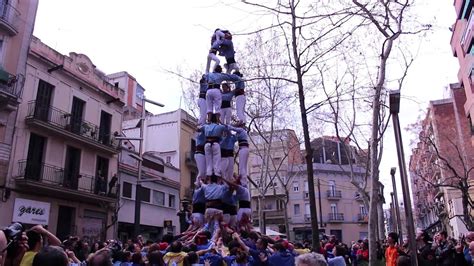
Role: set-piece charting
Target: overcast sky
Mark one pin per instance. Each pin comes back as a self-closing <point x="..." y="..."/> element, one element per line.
<point x="147" y="37"/>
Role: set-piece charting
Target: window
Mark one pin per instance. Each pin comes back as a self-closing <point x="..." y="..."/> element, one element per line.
<point x="296" y="209"/>
<point x="362" y="209"/>
<point x="306" y="195"/>
<point x="307" y="209"/>
<point x="145" y="194"/>
<point x="306" y="187"/>
<point x="158" y="198"/>
<point x="171" y="200"/>
<point x="127" y="190"/>
<point x="332" y="185"/>
<point x="333" y="208"/>
<point x="168" y="159"/>
<point x="295" y="187"/>
<point x="280" y="205"/>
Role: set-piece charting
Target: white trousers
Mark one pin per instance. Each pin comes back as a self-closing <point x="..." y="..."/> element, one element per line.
<point x="243" y="159"/>
<point x="213" y="57"/>
<point x="230" y="67"/>
<point x="226" y="114"/>
<point x="201" y="165"/>
<point x="240" y="108"/>
<point x="214" y="101"/>
<point x="227" y="168"/>
<point x="213" y="158"/>
<point x="202" y="111"/>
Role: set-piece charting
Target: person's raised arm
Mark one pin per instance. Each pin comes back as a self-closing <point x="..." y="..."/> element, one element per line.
<point x="52" y="239"/>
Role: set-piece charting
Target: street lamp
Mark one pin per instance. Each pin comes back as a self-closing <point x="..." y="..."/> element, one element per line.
<point x="139" y="158"/>
<point x="394" y="110"/>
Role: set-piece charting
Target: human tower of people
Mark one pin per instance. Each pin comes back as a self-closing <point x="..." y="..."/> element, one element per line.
<point x="221" y="197"/>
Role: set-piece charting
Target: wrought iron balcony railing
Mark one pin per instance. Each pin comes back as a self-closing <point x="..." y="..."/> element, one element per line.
<point x="66" y="121"/>
<point x="335" y="194"/>
<point x="54" y="175"/>
<point x="336" y="217"/>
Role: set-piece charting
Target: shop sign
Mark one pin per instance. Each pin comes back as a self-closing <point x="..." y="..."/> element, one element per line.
<point x="31" y="211"/>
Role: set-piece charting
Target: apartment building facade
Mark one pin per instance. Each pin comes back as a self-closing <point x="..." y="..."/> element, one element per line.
<point x="64" y="156"/>
<point x="17" y="19"/>
<point x="341" y="211"/>
<point x="159" y="196"/>
<point x="462" y="46"/>
<point x="444" y="134"/>
<point x="272" y="154"/>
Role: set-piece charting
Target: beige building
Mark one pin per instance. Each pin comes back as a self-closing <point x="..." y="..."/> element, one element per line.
<point x="170" y="135"/>
<point x="280" y="187"/>
<point x="341" y="212"/>
<point x="64" y="161"/>
<point x="17" y="20"/>
<point x="271" y="156"/>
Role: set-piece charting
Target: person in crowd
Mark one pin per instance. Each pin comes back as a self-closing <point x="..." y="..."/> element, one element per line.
<point x="175" y="254"/>
<point x="363" y="253"/>
<point x="281" y="256"/>
<point x="426" y="254"/>
<point x="311" y="259"/>
<point x="35" y="243"/>
<point x="445" y="250"/>
<point x="391" y="253"/>
<point x="338" y="259"/>
<point x="51" y="256"/>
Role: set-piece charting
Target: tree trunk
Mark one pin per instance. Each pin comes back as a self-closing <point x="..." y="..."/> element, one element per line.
<point x="307" y="140"/>
<point x="465" y="210"/>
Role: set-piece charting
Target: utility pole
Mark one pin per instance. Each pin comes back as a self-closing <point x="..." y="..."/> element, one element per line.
<point x="320" y="207"/>
<point x="395" y="202"/>
<point x="139" y="158"/>
<point x="394" y="110"/>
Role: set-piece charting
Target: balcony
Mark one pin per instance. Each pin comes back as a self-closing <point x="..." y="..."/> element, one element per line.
<point x="334" y="194"/>
<point x="362" y="218"/>
<point x="336" y="217"/>
<point x="60" y="123"/>
<point x="51" y="180"/>
<point x="10" y="89"/>
<point x="189" y="160"/>
<point x="468" y="33"/>
<point x="9" y="18"/>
